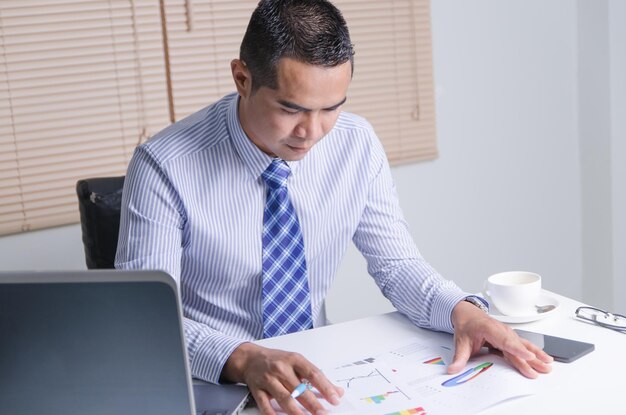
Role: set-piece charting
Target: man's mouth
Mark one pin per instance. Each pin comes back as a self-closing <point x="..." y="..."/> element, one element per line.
<point x="298" y="149"/>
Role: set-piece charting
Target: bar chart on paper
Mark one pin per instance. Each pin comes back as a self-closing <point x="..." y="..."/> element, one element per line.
<point x="376" y="399"/>
<point x="412" y="411"/>
<point x="370" y="388"/>
<point x="435" y="361"/>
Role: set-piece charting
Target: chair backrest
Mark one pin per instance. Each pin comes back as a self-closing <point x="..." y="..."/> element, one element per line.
<point x="99" y="202"/>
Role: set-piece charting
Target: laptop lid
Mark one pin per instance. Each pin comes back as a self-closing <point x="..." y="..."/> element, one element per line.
<point x="92" y="342"/>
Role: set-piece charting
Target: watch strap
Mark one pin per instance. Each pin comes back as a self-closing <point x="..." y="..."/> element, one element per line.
<point x="478" y="302"/>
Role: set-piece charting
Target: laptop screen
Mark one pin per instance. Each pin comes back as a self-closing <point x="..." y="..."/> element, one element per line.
<point x="71" y="346"/>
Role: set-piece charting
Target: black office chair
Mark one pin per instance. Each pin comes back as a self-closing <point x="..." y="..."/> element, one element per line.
<point x="99" y="202"/>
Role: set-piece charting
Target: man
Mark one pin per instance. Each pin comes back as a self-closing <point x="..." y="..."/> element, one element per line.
<point x="250" y="204"/>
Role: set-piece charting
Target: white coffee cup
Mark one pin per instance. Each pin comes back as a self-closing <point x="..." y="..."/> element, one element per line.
<point x="514" y="293"/>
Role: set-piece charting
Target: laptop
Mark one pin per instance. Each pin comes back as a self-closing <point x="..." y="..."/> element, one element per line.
<point x="99" y="342"/>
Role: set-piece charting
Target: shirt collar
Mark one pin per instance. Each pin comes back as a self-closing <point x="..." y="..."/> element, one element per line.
<point x="255" y="160"/>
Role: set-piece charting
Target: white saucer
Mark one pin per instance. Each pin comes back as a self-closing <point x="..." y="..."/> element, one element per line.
<point x="544" y="299"/>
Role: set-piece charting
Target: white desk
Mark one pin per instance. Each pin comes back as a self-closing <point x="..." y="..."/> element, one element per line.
<point x="593" y="384"/>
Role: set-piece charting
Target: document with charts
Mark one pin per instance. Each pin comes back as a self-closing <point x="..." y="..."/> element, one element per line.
<point x="412" y="380"/>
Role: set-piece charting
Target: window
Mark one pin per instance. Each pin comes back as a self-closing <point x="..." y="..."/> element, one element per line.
<point x="83" y="82"/>
<point x="81" y="85"/>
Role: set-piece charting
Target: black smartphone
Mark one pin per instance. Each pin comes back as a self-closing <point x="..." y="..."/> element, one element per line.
<point x="562" y="350"/>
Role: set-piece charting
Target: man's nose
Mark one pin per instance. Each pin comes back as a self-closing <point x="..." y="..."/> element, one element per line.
<point x="310" y="127"/>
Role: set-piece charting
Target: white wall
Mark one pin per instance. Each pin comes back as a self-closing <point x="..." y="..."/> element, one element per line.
<point x="602" y="131"/>
<point x="617" y="40"/>
<point x="594" y="123"/>
<point x="505" y="192"/>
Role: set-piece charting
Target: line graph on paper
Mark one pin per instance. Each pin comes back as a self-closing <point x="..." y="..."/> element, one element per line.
<point x="372" y="373"/>
<point x="369" y="385"/>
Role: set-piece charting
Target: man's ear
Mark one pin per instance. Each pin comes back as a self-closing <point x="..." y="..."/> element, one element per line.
<point x="242" y="77"/>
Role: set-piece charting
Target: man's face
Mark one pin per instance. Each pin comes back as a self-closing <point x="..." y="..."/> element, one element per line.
<point x="289" y="121"/>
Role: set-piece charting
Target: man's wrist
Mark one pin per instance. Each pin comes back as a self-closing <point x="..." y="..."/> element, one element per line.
<point x="465" y="312"/>
<point x="478" y="302"/>
<point x="233" y="370"/>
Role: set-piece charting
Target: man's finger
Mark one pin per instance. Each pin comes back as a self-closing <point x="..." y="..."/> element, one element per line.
<point x="315" y="376"/>
<point x="521" y="365"/>
<point x="311" y="403"/>
<point x="462" y="353"/>
<point x="283" y="398"/>
<point x="303" y="394"/>
<point x="539" y="353"/>
<point x="262" y="400"/>
<point x="510" y="342"/>
<point x="539" y="366"/>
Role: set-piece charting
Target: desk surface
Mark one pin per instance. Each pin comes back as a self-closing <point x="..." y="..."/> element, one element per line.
<point x="592" y="384"/>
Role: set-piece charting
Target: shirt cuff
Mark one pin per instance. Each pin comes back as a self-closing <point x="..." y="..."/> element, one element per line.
<point x="443" y="305"/>
<point x="210" y="356"/>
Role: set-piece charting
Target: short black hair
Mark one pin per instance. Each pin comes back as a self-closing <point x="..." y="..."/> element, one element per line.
<point x="309" y="31"/>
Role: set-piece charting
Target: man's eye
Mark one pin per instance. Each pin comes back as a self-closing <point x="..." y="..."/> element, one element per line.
<point x="290" y="112"/>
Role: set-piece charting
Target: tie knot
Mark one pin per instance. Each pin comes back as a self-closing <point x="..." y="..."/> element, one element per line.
<point x="276" y="174"/>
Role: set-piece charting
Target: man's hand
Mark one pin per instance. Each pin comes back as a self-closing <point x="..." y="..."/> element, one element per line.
<point x="474" y="329"/>
<point x="271" y="373"/>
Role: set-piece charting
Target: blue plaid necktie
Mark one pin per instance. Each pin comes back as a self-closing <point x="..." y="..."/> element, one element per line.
<point x="286" y="300"/>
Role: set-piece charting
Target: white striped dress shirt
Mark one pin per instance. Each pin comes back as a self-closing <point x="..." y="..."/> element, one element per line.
<point x="193" y="205"/>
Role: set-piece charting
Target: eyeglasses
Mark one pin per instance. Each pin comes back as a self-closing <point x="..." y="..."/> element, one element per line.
<point x="602" y="318"/>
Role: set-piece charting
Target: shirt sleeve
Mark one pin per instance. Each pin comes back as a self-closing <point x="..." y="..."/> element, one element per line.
<point x="152" y="237"/>
<point x="414" y="287"/>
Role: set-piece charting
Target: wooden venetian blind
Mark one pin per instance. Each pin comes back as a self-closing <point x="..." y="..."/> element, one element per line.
<point x="393" y="76"/>
<point x="204" y="36"/>
<point x="82" y="82"/>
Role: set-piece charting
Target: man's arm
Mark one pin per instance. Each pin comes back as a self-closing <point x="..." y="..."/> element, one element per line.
<point x="414" y="287"/>
<point x="151" y="237"/>
<point x="419" y="292"/>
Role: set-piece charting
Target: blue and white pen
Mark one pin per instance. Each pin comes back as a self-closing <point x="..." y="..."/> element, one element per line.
<point x="300" y="389"/>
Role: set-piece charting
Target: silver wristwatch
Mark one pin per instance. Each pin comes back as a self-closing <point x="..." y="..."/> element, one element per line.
<point x="478" y="302"/>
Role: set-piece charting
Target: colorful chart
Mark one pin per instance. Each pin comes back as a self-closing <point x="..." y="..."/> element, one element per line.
<point x="467" y="375"/>
<point x="412" y="411"/>
<point x="435" y="361"/>
<point x="348" y="382"/>
<point x="378" y="398"/>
